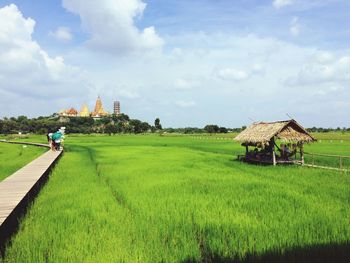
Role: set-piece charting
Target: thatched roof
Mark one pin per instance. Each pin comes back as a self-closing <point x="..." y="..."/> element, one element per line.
<point x="263" y="132"/>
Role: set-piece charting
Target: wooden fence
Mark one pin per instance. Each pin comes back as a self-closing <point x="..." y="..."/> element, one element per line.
<point x="328" y="161"/>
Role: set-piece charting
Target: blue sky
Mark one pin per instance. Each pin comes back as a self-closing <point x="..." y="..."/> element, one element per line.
<point x="188" y="62"/>
<point x="326" y="21"/>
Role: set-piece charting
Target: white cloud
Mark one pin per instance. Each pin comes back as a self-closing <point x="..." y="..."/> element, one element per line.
<point x="13" y="27"/>
<point x="251" y="68"/>
<point x="327" y="89"/>
<point x="232" y="74"/>
<point x="257" y="68"/>
<point x="282" y="3"/>
<point x="185" y="104"/>
<point x="295" y="27"/>
<point x="26" y="70"/>
<point x="323" y="68"/>
<point x="129" y="94"/>
<point x="323" y="57"/>
<point x="62" y="34"/>
<point x="344" y="61"/>
<point x="186" y="84"/>
<point x="301" y="5"/>
<point x="111" y="25"/>
<point x="196" y="72"/>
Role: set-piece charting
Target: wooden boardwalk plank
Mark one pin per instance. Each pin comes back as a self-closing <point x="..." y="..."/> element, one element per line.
<point x="15" y="187"/>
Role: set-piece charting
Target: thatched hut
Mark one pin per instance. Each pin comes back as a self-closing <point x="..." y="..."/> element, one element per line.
<point x="264" y="135"/>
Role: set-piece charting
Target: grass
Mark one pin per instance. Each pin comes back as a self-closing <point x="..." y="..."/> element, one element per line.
<point x="178" y="199"/>
<point x="330" y="144"/>
<point x="13" y="157"/>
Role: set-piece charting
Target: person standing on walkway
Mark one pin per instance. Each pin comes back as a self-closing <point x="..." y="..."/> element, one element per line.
<point x="57" y="138"/>
<point x="49" y="139"/>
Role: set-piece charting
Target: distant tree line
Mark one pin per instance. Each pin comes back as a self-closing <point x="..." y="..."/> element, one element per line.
<point x="86" y="125"/>
<point x="111" y="125"/>
<point x="314" y="129"/>
<point x="207" y="129"/>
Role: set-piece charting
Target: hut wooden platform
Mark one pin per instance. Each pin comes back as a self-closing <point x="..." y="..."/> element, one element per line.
<point x="264" y="135"/>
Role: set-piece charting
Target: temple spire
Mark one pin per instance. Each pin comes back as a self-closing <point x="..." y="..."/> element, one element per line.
<point x="84" y="111"/>
<point x="99" y="111"/>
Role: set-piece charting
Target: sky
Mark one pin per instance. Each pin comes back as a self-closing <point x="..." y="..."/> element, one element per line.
<point x="190" y="63"/>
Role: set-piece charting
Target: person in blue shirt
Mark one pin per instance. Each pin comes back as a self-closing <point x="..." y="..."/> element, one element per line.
<point x="57" y="139"/>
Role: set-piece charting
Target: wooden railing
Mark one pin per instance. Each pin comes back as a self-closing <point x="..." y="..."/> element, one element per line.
<point x="340" y="162"/>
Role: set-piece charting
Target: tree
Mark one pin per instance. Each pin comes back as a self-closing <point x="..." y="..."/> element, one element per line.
<point x="157" y="124"/>
<point x="145" y="127"/>
<point x="211" y="128"/>
<point x="120" y="118"/>
<point x="110" y="129"/>
<point x="136" y="126"/>
<point x="223" y="130"/>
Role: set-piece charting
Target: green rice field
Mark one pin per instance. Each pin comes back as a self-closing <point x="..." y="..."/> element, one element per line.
<point x="13" y="157"/>
<point x="151" y="198"/>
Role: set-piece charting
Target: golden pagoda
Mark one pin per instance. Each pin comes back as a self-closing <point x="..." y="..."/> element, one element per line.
<point x="99" y="111"/>
<point x="84" y="111"/>
<point x="96" y="114"/>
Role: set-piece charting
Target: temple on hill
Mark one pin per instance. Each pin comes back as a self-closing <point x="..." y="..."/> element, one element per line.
<point x="98" y="112"/>
<point x="84" y="111"/>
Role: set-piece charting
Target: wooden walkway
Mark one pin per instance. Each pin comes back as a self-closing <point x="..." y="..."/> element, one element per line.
<point x="18" y="190"/>
<point x="27" y="143"/>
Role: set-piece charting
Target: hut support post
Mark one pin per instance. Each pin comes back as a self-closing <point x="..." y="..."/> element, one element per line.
<point x="272" y="142"/>
<point x="302" y="153"/>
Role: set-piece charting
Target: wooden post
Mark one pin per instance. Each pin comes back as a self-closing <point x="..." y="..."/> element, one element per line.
<point x="340" y="162"/>
<point x="246" y="148"/>
<point x="302" y="153"/>
<point x="313" y="159"/>
<point x="272" y="142"/>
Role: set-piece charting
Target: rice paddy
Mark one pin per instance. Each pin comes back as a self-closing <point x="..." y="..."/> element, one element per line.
<point x="13" y="157"/>
<point x="158" y="198"/>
